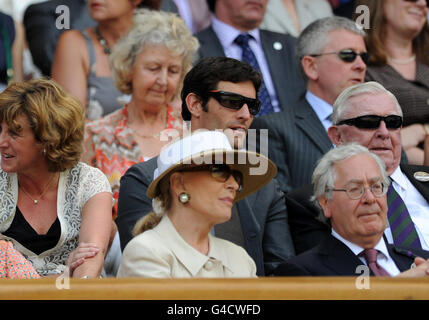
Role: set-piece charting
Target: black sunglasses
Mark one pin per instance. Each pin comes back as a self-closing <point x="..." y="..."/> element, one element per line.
<point x="427" y="2"/>
<point x="347" y="55"/>
<point x="220" y="172"/>
<point x="236" y="101"/>
<point x="373" y="122"/>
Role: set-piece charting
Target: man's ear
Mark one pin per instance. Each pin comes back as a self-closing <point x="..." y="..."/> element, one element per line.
<point x="309" y="65"/>
<point x="323" y="201"/>
<point x="194" y="104"/>
<point x="334" y="135"/>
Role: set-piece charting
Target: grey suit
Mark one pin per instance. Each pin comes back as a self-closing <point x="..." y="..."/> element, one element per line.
<point x="297" y="139"/>
<point x="262" y="216"/>
<point x="288" y="82"/>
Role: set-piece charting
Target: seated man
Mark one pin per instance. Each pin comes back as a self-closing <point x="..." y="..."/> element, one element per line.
<point x="350" y="184"/>
<point x="370" y="115"/>
<point x="219" y="94"/>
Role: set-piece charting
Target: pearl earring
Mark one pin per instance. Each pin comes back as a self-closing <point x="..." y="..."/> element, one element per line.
<point x="184" y="197"/>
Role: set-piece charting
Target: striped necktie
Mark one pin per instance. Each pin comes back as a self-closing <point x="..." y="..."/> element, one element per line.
<point x="249" y="57"/>
<point x="402" y="227"/>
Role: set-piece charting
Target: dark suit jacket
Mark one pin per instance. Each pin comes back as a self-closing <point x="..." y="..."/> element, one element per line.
<point x="263" y="217"/>
<point x="333" y="258"/>
<point x="42" y="33"/>
<point x="306" y="221"/>
<point x="288" y="82"/>
<point x="297" y="139"/>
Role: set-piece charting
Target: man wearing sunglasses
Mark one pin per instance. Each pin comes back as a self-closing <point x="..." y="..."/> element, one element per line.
<point x="370" y="115"/>
<point x="331" y="53"/>
<point x="234" y="32"/>
<point x="219" y="93"/>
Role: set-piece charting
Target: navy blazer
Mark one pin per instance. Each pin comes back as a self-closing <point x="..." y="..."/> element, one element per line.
<point x="288" y="82"/>
<point x="306" y="221"/>
<point x="297" y="139"/>
<point x="333" y="258"/>
<point x="263" y="217"/>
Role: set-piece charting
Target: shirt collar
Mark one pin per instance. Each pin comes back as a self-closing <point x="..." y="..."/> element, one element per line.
<point x="399" y="178"/>
<point x="192" y="259"/>
<point x="322" y="109"/>
<point x="229" y="33"/>
<point x="356" y="249"/>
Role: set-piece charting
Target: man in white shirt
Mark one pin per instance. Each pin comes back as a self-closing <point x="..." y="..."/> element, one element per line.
<point x="383" y="137"/>
<point x="350" y="185"/>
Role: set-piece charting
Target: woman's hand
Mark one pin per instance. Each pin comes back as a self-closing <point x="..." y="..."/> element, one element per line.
<point x="411" y="137"/>
<point x="78" y="256"/>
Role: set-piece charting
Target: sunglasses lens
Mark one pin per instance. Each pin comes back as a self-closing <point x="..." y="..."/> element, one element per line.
<point x="367" y="122"/>
<point x="393" y="122"/>
<point x="347" y="56"/>
<point x="236" y="101"/>
<point x="220" y="172"/>
<point x="350" y="56"/>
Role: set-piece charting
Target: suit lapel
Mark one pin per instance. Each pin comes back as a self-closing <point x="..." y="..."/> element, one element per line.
<point x="402" y="262"/>
<point x="307" y="120"/>
<point x="338" y="257"/>
<point x="210" y="45"/>
<point x="422" y="187"/>
<point x="251" y="230"/>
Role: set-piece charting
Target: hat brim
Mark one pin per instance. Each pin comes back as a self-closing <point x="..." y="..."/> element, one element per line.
<point x="257" y="170"/>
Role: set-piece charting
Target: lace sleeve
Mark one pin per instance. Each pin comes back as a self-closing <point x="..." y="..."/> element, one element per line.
<point x="92" y="181"/>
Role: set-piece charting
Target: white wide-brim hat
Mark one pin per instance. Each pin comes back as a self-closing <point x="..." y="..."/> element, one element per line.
<point x="213" y="147"/>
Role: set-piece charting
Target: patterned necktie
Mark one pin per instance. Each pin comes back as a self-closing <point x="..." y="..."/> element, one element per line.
<point x="402" y="227"/>
<point x="249" y="57"/>
<point x="370" y="256"/>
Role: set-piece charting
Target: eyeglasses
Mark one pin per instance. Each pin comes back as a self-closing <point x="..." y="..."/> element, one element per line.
<point x="236" y="101"/>
<point x="373" y="122"/>
<point x="347" y="55"/>
<point x="355" y="191"/>
<point x="220" y="172"/>
<point x="427" y="2"/>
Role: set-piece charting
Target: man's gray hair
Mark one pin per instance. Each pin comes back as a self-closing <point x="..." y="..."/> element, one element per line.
<point x="342" y="104"/>
<point x="325" y="174"/>
<point x="314" y="37"/>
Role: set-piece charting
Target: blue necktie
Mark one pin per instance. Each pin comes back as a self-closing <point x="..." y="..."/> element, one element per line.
<point x="249" y="57"/>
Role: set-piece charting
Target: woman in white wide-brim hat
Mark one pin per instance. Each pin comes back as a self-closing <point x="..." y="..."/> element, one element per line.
<point x="197" y="181"/>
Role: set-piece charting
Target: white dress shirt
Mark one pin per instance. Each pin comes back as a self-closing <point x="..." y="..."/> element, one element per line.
<point x="162" y="253"/>
<point x="417" y="206"/>
<point x="383" y="258"/>
<point x="322" y="109"/>
<point x="227" y="34"/>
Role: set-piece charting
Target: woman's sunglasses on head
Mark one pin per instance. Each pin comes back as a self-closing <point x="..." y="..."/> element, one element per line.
<point x="219" y="172"/>
<point x="236" y="101"/>
<point x="347" y="55"/>
<point x="373" y="122"/>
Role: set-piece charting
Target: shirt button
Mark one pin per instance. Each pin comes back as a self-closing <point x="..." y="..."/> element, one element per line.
<point x="209" y="265"/>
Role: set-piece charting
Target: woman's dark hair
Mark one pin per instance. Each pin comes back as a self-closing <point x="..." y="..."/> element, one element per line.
<point x="208" y="72"/>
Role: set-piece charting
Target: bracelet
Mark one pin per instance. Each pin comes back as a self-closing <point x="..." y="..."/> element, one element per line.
<point x="88" y="277"/>
<point x="426" y="128"/>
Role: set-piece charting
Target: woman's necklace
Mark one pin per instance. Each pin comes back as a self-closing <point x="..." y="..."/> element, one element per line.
<point x="406" y="61"/>
<point x="149" y="136"/>
<point x="102" y="41"/>
<point x="36" y="201"/>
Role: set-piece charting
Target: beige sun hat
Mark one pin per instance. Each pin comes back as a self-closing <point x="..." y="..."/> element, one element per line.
<point x="213" y="147"/>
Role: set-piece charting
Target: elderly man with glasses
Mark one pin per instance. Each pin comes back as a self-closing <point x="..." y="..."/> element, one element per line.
<point x="332" y="56"/>
<point x="350" y="184"/>
<point x="370" y="115"/>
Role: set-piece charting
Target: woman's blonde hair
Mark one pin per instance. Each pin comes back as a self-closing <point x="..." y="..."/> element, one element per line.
<point x="161" y="204"/>
<point x="152" y="28"/>
<point x="55" y="117"/>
